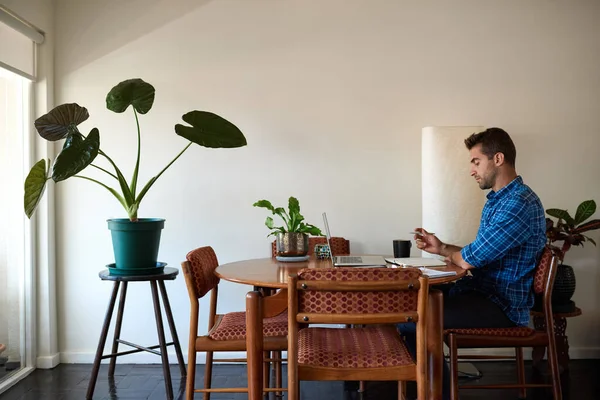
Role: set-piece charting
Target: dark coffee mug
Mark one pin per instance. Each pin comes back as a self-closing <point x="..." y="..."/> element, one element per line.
<point x="402" y="248"/>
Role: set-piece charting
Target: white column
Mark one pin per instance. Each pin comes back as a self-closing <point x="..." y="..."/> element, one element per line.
<point x="452" y="200"/>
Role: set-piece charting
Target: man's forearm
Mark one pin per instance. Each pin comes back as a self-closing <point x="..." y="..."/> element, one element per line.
<point x="448" y="249"/>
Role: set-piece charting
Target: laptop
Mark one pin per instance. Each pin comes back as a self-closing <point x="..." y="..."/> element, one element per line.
<point x="351" y="260"/>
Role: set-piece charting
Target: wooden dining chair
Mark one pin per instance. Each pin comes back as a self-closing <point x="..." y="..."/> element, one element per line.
<point x="517" y="337"/>
<point x="227" y="332"/>
<point x="375" y="297"/>
<point x="339" y="245"/>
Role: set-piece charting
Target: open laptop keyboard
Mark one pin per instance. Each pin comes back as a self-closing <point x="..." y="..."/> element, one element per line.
<point x="349" y="259"/>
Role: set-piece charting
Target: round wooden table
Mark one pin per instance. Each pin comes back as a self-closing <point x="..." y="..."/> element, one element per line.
<point x="270" y="273"/>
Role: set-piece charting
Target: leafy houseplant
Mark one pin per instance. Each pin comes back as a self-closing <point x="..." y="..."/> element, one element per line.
<point x="79" y="151"/>
<point x="570" y="231"/>
<point x="292" y="237"/>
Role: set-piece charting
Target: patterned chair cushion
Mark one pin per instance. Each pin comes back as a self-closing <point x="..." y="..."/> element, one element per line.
<point x="329" y="302"/>
<point x="232" y="326"/>
<point x="339" y="245"/>
<point x="203" y="264"/>
<point x="541" y="271"/>
<point x="519" y="331"/>
<point x="370" y="347"/>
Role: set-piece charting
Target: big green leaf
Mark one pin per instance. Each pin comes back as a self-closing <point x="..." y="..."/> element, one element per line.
<point x="264" y="204"/>
<point x="210" y="130"/>
<point x="76" y="157"/>
<point x="293" y="206"/>
<point x="561" y="214"/>
<point x="133" y="92"/>
<point x="585" y="210"/>
<point x="55" y="125"/>
<point x="35" y="184"/>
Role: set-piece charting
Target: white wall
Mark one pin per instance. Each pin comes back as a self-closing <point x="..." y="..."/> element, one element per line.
<point x="329" y="94"/>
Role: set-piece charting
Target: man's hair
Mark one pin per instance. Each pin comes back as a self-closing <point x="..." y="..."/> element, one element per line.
<point x="494" y="140"/>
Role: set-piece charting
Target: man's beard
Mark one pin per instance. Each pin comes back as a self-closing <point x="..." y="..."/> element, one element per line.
<point x="488" y="181"/>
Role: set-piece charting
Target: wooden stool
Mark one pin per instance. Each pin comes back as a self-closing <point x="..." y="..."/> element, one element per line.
<point x="560" y="332"/>
<point x="166" y="274"/>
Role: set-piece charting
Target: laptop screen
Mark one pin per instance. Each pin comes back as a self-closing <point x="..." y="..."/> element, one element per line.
<point x="328" y="237"/>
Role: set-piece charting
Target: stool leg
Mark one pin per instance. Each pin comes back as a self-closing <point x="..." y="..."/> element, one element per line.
<point x="102" y="342"/>
<point x="117" y="336"/>
<point x="161" y="340"/>
<point x="167" y="305"/>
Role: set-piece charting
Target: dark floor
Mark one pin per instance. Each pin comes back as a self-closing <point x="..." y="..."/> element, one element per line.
<point x="69" y="381"/>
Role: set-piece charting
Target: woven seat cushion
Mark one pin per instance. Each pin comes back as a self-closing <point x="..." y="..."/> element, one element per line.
<point x="370" y="347"/>
<point x="518" y="331"/>
<point x="232" y="326"/>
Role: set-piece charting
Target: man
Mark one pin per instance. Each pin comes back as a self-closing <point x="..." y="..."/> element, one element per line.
<point x="503" y="256"/>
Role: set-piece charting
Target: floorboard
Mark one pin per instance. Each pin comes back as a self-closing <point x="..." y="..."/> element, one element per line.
<point x="142" y="381"/>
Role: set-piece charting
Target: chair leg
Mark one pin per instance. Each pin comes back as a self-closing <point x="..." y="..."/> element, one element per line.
<point x="401" y="390"/>
<point x="453" y="367"/>
<point x="208" y="374"/>
<point x="277" y="365"/>
<point x="191" y="374"/>
<point x="361" y="387"/>
<point x="553" y="361"/>
<point x="521" y="372"/>
<point x="266" y="373"/>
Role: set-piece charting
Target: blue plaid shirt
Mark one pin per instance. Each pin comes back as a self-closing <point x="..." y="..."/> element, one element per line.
<point x="511" y="236"/>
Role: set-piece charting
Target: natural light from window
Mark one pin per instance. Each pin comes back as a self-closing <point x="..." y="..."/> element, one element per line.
<point x="14" y="107"/>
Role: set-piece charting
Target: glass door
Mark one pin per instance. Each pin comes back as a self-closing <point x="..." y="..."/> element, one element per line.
<point x="15" y="259"/>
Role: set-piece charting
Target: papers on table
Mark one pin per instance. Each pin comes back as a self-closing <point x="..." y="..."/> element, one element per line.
<point x="422" y="264"/>
<point x="434" y="273"/>
<point x="416" y="262"/>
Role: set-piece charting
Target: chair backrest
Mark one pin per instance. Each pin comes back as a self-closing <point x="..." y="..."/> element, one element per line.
<point x="339" y="245"/>
<point x="199" y="271"/>
<point x="543" y="278"/>
<point x="543" y="271"/>
<point x="347" y="295"/>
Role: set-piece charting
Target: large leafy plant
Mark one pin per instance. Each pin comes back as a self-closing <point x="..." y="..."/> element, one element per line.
<point x="205" y="129"/>
<point x="569" y="229"/>
<point x="293" y="220"/>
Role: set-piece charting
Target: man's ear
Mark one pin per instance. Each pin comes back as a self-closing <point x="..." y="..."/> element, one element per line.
<point x="499" y="159"/>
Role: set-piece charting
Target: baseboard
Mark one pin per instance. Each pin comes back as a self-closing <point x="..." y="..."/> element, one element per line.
<point x="141" y="358"/>
<point x="48" y="362"/>
<point x="146" y="358"/>
<point x="574" y="352"/>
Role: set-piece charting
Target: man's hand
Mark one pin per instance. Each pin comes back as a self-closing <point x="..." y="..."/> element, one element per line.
<point x="428" y="242"/>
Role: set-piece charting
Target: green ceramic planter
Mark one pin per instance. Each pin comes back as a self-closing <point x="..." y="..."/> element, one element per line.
<point x="136" y="244"/>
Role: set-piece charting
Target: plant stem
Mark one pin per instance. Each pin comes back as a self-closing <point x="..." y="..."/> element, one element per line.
<point x="102" y="169"/>
<point x="154" y="179"/>
<point x="111" y="190"/>
<point x="137" y="162"/>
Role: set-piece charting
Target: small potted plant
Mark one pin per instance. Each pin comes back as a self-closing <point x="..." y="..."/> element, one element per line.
<point x="570" y="231"/>
<point x="292" y="237"/>
<point x="135" y="240"/>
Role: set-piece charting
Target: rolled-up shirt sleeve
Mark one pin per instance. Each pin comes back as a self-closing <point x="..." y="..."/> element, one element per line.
<point x="508" y="228"/>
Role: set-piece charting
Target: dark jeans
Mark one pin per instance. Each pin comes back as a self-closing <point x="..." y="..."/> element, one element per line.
<point x="467" y="310"/>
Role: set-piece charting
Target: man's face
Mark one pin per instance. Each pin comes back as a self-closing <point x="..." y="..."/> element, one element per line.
<point x="482" y="169"/>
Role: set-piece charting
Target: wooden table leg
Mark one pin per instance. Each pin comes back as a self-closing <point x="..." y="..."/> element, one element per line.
<point x="435" y="343"/>
<point x="562" y="343"/>
<point x="254" y="345"/>
<point x="102" y="341"/>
